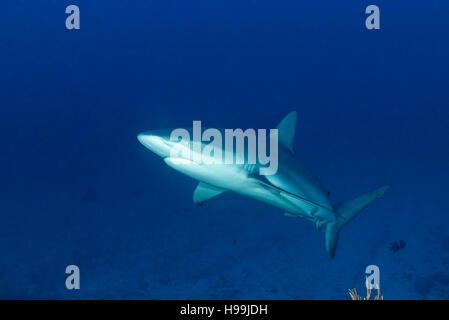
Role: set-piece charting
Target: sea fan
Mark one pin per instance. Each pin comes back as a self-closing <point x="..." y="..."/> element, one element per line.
<point x="355" y="296"/>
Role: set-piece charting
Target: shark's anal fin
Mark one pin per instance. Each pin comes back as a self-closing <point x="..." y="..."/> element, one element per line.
<point x="286" y="130"/>
<point x="205" y="192"/>
<point x="319" y="224"/>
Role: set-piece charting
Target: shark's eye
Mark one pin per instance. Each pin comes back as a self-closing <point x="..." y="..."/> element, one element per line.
<point x="183" y="144"/>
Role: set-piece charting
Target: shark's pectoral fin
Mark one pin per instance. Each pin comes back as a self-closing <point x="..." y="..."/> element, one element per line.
<point x="286" y="130"/>
<point x="205" y="192"/>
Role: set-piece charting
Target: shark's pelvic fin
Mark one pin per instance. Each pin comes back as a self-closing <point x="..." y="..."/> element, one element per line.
<point x="205" y="192"/>
<point x="346" y="211"/>
<point x="288" y="214"/>
<point x="286" y="130"/>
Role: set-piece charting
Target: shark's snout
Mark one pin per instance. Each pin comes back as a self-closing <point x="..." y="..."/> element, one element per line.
<point x="141" y="138"/>
<point x="154" y="143"/>
<point x="145" y="139"/>
<point x="148" y="140"/>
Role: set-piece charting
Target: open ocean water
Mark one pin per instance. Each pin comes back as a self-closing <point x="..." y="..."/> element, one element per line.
<point x="78" y="188"/>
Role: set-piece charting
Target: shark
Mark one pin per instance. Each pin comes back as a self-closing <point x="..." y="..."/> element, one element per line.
<point x="293" y="188"/>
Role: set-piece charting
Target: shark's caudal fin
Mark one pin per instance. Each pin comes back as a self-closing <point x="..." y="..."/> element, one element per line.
<point x="346" y="211"/>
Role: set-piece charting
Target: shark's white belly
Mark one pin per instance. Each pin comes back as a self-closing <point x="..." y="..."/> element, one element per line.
<point x="225" y="176"/>
<point x="236" y="179"/>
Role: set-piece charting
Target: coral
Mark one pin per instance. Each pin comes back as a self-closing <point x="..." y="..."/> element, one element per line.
<point x="355" y="296"/>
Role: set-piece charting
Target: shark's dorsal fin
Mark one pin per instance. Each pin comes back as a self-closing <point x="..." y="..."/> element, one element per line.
<point x="205" y="192"/>
<point x="286" y="130"/>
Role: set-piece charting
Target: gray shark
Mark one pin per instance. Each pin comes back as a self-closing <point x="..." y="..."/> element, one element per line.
<point x="293" y="188"/>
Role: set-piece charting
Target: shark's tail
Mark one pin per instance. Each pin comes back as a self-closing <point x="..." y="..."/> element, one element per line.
<point x="347" y="210"/>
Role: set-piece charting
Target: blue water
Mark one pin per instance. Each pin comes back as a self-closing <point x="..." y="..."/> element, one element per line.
<point x="78" y="188"/>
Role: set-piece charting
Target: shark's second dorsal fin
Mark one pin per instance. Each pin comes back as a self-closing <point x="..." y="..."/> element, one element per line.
<point x="286" y="130"/>
<point x="205" y="192"/>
